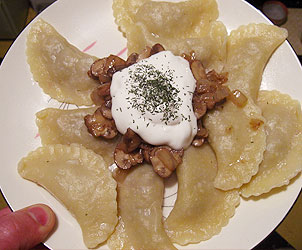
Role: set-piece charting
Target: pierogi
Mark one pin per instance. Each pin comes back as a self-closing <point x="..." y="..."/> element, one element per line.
<point x="140" y="197"/>
<point x="59" y="68"/>
<point x="200" y="210"/>
<point x="283" y="156"/>
<point x="248" y="49"/>
<point x="237" y="134"/>
<point x="192" y="27"/>
<point x="240" y="138"/>
<point x="80" y="179"/>
<point x="58" y="126"/>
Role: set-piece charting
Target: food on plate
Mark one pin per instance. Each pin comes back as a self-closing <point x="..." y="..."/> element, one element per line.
<point x="192" y="27"/>
<point x="140" y="196"/>
<point x="59" y="67"/>
<point x="81" y="180"/>
<point x="58" y="126"/>
<point x="248" y="49"/>
<point x="156" y="100"/>
<point x="225" y="74"/>
<point x="236" y="132"/>
<point x="200" y="210"/>
<point x="153" y="97"/>
<point x="283" y="156"/>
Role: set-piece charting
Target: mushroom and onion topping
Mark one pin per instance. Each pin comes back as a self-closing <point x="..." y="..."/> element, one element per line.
<point x="161" y="94"/>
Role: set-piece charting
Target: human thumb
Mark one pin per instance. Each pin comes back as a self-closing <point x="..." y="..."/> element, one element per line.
<point x="25" y="228"/>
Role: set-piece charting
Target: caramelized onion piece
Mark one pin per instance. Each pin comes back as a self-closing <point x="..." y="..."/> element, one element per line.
<point x="130" y="141"/>
<point x="255" y="124"/>
<point x="218" y="78"/>
<point x="221" y="94"/>
<point x="165" y="160"/>
<point x="238" y="98"/>
<point x="98" y="125"/>
<point x="127" y="160"/>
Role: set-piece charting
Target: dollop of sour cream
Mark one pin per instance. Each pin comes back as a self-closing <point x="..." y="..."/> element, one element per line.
<point x="153" y="97"/>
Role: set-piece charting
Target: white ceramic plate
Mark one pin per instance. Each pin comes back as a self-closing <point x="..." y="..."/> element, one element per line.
<point x="90" y="22"/>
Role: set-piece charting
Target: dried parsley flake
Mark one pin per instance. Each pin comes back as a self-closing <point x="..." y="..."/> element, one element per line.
<point x="152" y="91"/>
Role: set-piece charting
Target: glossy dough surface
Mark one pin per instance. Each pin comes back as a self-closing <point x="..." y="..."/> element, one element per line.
<point x="80" y="179"/>
<point x="283" y="156"/>
<point x="238" y="144"/>
<point x="237" y="134"/>
<point x="140" y="197"/>
<point x="58" y="126"/>
<point x="200" y="210"/>
<point x="248" y="49"/>
<point x="191" y="27"/>
<point x="59" y="67"/>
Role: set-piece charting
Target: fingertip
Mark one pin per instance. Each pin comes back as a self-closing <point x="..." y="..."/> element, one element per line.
<point x="5" y="211"/>
<point x="25" y="228"/>
<point x="44" y="216"/>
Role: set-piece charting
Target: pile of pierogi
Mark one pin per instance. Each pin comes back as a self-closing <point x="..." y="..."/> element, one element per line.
<point x="250" y="150"/>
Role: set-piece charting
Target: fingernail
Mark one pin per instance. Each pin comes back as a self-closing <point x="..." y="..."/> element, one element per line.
<point x="39" y="215"/>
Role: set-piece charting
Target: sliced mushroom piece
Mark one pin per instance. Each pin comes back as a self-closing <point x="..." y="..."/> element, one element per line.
<point x="198" y="70"/>
<point x="106" y="111"/>
<point x="205" y="86"/>
<point x="156" y="48"/>
<point x="221" y="94"/>
<point x="201" y="131"/>
<point x="104" y="89"/>
<point x="198" y="142"/>
<point x="199" y="106"/>
<point x="113" y="64"/>
<point x="132" y="58"/>
<point x="201" y="136"/>
<point x="97" y="68"/>
<point x="209" y="100"/>
<point x="127" y="160"/>
<point x="98" y="125"/>
<point x="98" y="71"/>
<point x="101" y="94"/>
<point x="130" y="141"/>
<point x="96" y="99"/>
<point x="146" y="150"/>
<point x="165" y="160"/>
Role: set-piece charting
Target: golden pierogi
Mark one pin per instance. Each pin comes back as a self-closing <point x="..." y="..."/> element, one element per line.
<point x="200" y="210"/>
<point x="80" y="179"/>
<point x="58" y="126"/>
<point x="59" y="68"/>
<point x="140" y="197"/>
<point x="283" y="155"/>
